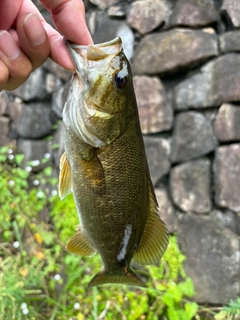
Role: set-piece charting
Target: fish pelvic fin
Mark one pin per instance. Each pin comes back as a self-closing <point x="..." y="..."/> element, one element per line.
<point x="155" y="236"/>
<point x="65" y="179"/>
<point x="80" y="245"/>
<point x="104" y="277"/>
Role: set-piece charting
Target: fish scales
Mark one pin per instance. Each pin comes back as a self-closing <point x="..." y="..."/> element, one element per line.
<point x="105" y="166"/>
<point x="110" y="199"/>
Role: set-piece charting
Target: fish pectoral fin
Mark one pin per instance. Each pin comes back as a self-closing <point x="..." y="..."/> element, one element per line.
<point x="64" y="177"/>
<point x="155" y="236"/>
<point x="80" y="245"/>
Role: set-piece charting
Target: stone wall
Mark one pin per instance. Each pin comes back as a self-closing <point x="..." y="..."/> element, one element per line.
<point x="185" y="58"/>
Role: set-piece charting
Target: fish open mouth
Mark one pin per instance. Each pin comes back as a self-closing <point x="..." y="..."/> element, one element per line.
<point x="115" y="42"/>
<point x="82" y="54"/>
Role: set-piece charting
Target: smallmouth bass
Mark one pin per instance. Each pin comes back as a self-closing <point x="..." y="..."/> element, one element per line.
<point x="105" y="167"/>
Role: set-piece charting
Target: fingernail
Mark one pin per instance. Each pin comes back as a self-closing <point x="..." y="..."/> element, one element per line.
<point x="8" y="46"/>
<point x="34" y="29"/>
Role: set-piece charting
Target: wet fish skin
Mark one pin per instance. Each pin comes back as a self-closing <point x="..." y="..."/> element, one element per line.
<point x="105" y="166"/>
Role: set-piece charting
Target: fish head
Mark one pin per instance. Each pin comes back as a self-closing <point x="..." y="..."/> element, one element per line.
<point x="101" y="96"/>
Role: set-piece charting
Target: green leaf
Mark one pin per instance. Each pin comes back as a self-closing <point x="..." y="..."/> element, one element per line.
<point x="3" y="158"/>
<point x="187" y="287"/>
<point x="55" y="146"/>
<point x="173" y="314"/>
<point x="44" y="160"/>
<point x="19" y="158"/>
<point x="233" y="307"/>
<point x="48" y="171"/>
<point x="3" y="150"/>
<point x="191" y="310"/>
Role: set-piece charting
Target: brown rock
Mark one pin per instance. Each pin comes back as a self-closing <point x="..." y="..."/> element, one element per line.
<point x="226" y="177"/>
<point x="4" y="131"/>
<point x="192" y="137"/>
<point x="233" y="11"/>
<point x="31" y="89"/>
<point x="212" y="86"/>
<point x="35" y="121"/>
<point x="34" y="150"/>
<point x="193" y="13"/>
<point x="86" y="4"/>
<point x="57" y="143"/>
<point x="59" y="98"/>
<point x="190" y="186"/>
<point x="57" y="70"/>
<point x="14" y="111"/>
<point x="119" y="10"/>
<point x="166" y="209"/>
<point x="227" y="123"/>
<point x="173" y="50"/>
<point x="157" y="151"/>
<point x="52" y="83"/>
<point x="230" y="41"/>
<point x="3" y="102"/>
<point x="103" y="4"/>
<point x="155" y="112"/>
<point x="145" y="16"/>
<point x="212" y="261"/>
<point x="39" y="5"/>
<point x="226" y="219"/>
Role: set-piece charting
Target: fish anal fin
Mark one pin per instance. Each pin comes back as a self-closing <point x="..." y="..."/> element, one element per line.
<point x="155" y="236"/>
<point x="64" y="177"/>
<point x="80" y="245"/>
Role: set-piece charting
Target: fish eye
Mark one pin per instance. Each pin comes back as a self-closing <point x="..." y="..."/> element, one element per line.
<point x="120" y="80"/>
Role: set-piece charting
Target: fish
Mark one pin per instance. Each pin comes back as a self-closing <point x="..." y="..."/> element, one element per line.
<point x="105" y="167"/>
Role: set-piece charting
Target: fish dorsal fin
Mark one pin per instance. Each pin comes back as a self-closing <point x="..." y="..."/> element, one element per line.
<point x="80" y="245"/>
<point x="155" y="236"/>
<point x="64" y="177"/>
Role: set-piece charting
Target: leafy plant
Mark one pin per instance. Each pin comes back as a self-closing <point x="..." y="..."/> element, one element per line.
<point x="233" y="307"/>
<point x="40" y="280"/>
<point x="230" y="312"/>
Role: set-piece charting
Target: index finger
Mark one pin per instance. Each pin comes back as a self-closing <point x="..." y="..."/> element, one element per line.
<point x="8" y="12"/>
<point x="69" y="18"/>
<point x="59" y="52"/>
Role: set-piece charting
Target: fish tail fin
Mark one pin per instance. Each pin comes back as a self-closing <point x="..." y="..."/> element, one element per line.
<point x="104" y="277"/>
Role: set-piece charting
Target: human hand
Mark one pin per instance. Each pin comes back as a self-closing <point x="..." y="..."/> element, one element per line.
<point x="26" y="40"/>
